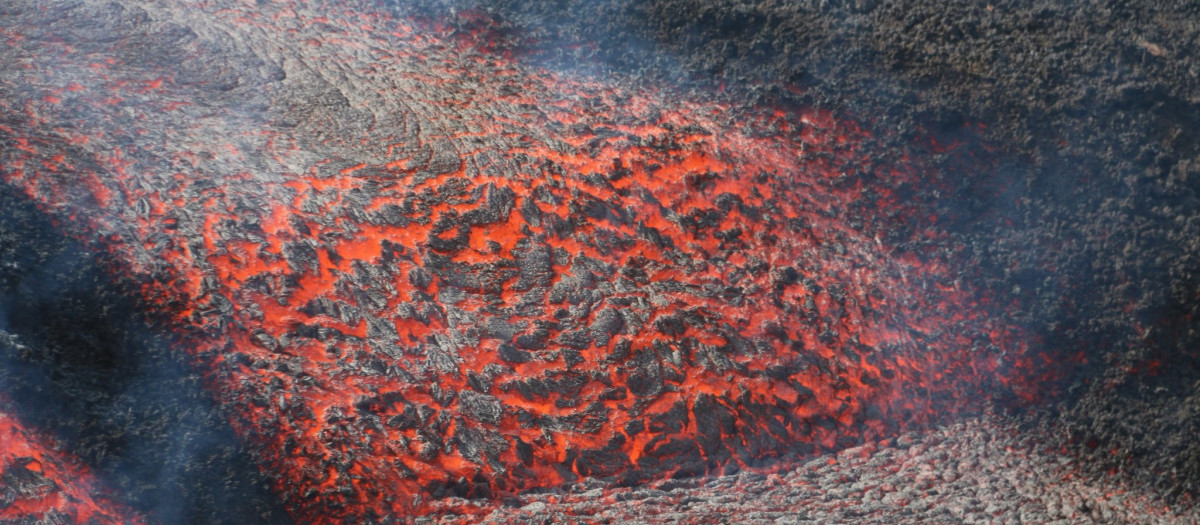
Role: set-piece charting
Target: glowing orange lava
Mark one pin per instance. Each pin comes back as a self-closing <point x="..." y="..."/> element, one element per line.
<point x="500" y="278"/>
<point x="39" y="482"/>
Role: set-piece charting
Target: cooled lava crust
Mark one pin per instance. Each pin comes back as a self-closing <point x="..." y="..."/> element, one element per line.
<point x="410" y="266"/>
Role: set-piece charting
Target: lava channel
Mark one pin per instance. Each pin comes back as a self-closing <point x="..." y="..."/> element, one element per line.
<point x="418" y="268"/>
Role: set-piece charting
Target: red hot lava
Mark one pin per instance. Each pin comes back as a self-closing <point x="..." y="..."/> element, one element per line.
<point x="37" y="482"/>
<point x="418" y="269"/>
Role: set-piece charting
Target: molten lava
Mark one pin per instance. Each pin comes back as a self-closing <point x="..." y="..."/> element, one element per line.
<point x="419" y="269"/>
<point x="39" y="483"/>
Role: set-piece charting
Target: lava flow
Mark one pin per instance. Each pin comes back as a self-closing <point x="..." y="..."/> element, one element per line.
<point x="417" y="268"/>
<point x="37" y="482"/>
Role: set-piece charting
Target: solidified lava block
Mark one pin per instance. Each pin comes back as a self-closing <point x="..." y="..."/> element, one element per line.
<point x="416" y="268"/>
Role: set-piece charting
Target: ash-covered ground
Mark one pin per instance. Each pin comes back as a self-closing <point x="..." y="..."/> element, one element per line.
<point x="329" y="261"/>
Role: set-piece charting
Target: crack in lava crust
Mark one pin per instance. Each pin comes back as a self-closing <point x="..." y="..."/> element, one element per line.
<point x="419" y="269"/>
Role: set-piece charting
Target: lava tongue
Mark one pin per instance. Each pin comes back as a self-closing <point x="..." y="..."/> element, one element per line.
<point x="420" y="270"/>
